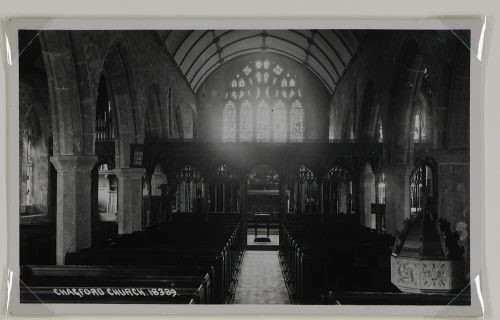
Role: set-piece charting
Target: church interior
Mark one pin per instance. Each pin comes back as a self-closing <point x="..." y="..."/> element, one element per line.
<point x="244" y="166"/>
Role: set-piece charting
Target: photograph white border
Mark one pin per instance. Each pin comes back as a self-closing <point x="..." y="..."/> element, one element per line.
<point x="475" y="24"/>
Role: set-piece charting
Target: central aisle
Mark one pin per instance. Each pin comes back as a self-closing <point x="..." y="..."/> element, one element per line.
<point x="261" y="281"/>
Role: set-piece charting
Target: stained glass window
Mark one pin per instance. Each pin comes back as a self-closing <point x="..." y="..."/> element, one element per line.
<point x="263" y="122"/>
<point x="279" y="122"/>
<point x="269" y="104"/>
<point x="296" y="122"/>
<point x="380" y="132"/>
<point x="421" y="185"/>
<point x="381" y="188"/>
<point x="246" y="122"/>
<point x="421" y="103"/>
<point x="419" y="127"/>
<point x="229" y="122"/>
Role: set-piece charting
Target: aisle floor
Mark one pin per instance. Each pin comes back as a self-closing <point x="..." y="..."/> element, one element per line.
<point x="261" y="281"/>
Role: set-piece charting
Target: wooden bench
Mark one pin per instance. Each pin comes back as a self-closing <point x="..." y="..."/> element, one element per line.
<point x="37" y="244"/>
<point x="317" y="258"/>
<point x="69" y="284"/>
<point x="159" y="247"/>
<point x="397" y="298"/>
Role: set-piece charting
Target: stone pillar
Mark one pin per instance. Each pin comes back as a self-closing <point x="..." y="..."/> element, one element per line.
<point x="397" y="195"/>
<point x="95" y="225"/>
<point x="74" y="203"/>
<point x="129" y="199"/>
<point x="244" y="209"/>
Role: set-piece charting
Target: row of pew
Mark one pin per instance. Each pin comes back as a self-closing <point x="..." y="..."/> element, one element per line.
<point x="37" y="244"/>
<point x="172" y="263"/>
<point x="318" y="258"/>
<point x="345" y="264"/>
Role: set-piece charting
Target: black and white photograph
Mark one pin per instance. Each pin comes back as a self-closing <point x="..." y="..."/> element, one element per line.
<point x="245" y="166"/>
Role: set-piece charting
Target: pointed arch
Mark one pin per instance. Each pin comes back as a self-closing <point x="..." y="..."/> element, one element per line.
<point x="73" y="129"/>
<point x="118" y="72"/>
<point x="370" y="119"/>
<point x="153" y="117"/>
<point x="409" y="79"/>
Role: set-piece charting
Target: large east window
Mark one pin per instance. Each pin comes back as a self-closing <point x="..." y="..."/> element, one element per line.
<point x="263" y="104"/>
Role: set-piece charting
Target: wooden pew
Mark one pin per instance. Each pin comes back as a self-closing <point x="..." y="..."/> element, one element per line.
<point x="37" y="244"/>
<point x="136" y="257"/>
<point x="318" y="257"/>
<point x="67" y="284"/>
<point x="396" y="298"/>
<point x="220" y="250"/>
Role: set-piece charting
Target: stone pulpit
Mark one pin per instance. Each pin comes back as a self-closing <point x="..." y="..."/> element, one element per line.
<point x="426" y="257"/>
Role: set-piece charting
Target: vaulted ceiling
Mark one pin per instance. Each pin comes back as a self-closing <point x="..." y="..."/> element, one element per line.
<point x="198" y="53"/>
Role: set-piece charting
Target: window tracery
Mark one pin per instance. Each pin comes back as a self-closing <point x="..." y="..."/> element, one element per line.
<point x="421" y="188"/>
<point x="269" y="103"/>
<point x="229" y="116"/>
<point x="381" y="188"/>
<point x="263" y="122"/>
<point x="246" y="122"/>
<point x="422" y="100"/>
<point x="419" y="126"/>
<point x="380" y="132"/>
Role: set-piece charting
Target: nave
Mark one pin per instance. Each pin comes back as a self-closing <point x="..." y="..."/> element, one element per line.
<point x="206" y="263"/>
<point x="261" y="280"/>
<point x="144" y="168"/>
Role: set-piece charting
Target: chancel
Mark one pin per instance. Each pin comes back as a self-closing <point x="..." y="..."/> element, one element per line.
<point x="245" y="166"/>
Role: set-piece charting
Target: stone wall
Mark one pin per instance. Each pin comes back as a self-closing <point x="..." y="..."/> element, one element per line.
<point x="34" y="113"/>
<point x="386" y="71"/>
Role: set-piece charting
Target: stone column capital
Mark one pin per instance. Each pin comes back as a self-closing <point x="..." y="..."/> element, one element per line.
<point x="74" y="162"/>
<point x="130" y="173"/>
